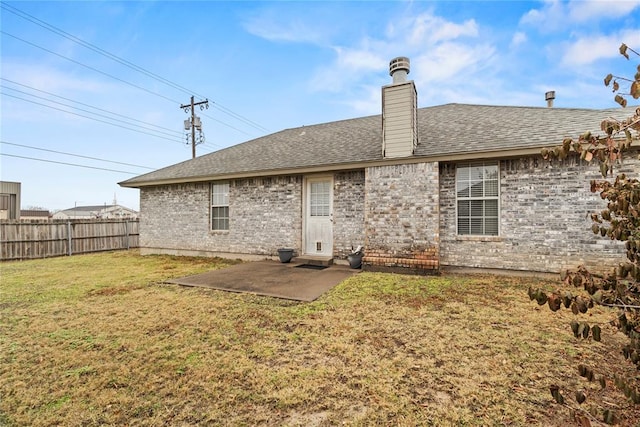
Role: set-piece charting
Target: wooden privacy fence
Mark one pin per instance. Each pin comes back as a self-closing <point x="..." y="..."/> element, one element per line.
<point x="42" y="239"/>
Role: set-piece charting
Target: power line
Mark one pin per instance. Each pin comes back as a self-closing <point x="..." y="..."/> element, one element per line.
<point x="116" y="78"/>
<point x="91" y="112"/>
<point x="226" y="124"/>
<point x="238" y="116"/>
<point x="67" y="164"/>
<point x="86" y="105"/>
<point x="95" y="108"/>
<point x="74" y="155"/>
<point x="207" y="149"/>
<point x="89" y="67"/>
<point x="91" y="46"/>
<point x="91" y="118"/>
<point x="125" y="62"/>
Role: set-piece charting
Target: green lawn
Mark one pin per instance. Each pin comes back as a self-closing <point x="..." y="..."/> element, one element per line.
<point x="99" y="340"/>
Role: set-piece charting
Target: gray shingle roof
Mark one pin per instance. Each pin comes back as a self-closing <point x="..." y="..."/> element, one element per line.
<point x="35" y="213"/>
<point x="452" y="129"/>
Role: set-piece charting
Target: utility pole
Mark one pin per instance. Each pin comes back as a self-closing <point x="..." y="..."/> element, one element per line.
<point x="194" y="122"/>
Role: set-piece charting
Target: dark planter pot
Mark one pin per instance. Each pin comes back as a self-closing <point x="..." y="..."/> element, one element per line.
<point x="355" y="261"/>
<point x="285" y="254"/>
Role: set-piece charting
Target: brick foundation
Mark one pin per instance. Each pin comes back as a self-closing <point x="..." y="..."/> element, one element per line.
<point x="422" y="260"/>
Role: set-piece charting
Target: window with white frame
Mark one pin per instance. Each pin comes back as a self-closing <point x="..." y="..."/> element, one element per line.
<point x="477" y="198"/>
<point x="220" y="206"/>
<point x="320" y="198"/>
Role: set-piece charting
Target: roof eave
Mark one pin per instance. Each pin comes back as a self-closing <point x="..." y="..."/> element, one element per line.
<point x="475" y="155"/>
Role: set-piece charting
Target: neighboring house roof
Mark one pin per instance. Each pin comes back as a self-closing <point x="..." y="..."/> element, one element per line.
<point x="446" y="132"/>
<point x="85" y="210"/>
<point x="34" y="213"/>
<point x="89" y="208"/>
<point x="91" y="211"/>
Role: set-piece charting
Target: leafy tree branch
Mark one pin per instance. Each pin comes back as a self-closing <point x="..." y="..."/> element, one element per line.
<point x="618" y="288"/>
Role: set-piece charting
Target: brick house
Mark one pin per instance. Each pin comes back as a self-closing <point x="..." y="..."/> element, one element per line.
<point x="420" y="188"/>
<point x="114" y="211"/>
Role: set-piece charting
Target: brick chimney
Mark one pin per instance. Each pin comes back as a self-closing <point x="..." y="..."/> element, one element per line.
<point x="399" y="112"/>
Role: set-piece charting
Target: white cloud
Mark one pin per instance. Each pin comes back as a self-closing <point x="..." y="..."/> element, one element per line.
<point x="555" y="15"/>
<point x="550" y="17"/>
<point x="581" y="11"/>
<point x="272" y="27"/>
<point x="438" y="49"/>
<point x="51" y="79"/>
<point x="368" y="103"/>
<point x="443" y="73"/>
<point x="427" y="28"/>
<point x="588" y="50"/>
<point x="349" y="66"/>
<point x="518" y="38"/>
<point x="449" y="61"/>
<point x="358" y="60"/>
<point x="458" y="61"/>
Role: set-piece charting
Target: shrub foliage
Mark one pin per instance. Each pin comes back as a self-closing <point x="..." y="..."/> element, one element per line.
<point x="619" y="220"/>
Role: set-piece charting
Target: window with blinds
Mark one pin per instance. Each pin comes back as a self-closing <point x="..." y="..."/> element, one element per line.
<point x="220" y="206"/>
<point x="477" y="198"/>
<point x="320" y="198"/>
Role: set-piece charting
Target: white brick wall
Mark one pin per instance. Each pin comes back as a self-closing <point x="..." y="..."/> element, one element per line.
<point x="401" y="216"/>
<point x="348" y="212"/>
<point x="264" y="215"/>
<point x="398" y="212"/>
<point x="543" y="220"/>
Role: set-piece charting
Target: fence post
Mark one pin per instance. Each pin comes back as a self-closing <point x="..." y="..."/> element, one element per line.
<point x="69" y="236"/>
<point x="126" y="230"/>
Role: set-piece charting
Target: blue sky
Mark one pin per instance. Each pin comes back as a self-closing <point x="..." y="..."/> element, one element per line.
<point x="268" y="66"/>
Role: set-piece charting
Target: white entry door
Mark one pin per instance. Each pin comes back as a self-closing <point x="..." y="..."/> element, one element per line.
<point x="319" y="216"/>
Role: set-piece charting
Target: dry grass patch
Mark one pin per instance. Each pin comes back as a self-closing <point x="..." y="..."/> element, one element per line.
<point x="95" y="339"/>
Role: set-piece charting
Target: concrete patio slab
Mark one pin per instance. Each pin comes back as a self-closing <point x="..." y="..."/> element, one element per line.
<point x="271" y="278"/>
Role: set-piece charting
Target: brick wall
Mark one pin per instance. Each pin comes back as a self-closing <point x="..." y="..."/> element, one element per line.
<point x="172" y="215"/>
<point x="404" y="215"/>
<point x="401" y="217"/>
<point x="543" y="219"/>
<point x="264" y="215"/>
<point x="348" y="212"/>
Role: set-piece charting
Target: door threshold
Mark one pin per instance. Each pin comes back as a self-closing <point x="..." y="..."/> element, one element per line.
<point x="315" y="259"/>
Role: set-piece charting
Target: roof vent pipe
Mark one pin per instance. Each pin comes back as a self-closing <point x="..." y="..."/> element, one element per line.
<point x="399" y="68"/>
<point x="549" y="97"/>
